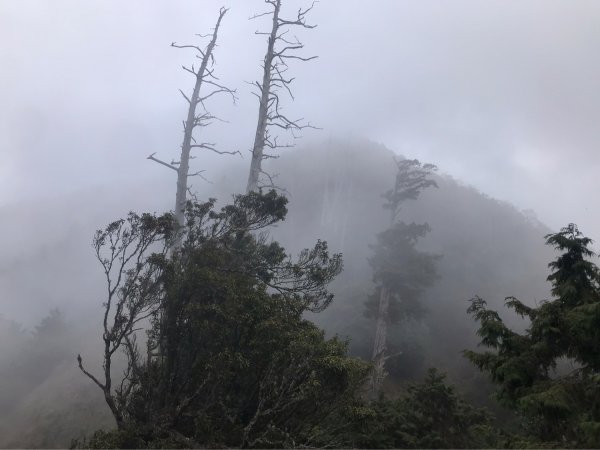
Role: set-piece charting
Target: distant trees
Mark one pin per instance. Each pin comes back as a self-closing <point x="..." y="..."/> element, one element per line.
<point x="400" y="270"/>
<point x="12" y="337"/>
<point x="27" y="359"/>
<point x="240" y="365"/>
<point x="550" y="374"/>
<point x="428" y="414"/>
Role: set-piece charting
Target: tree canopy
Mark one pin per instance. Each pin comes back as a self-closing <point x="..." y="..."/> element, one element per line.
<point x="240" y="366"/>
<point x="549" y="374"/>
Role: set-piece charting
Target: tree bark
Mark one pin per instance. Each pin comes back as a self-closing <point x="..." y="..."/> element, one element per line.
<point x="263" y="109"/>
<point x="380" y="344"/>
<point x="190" y="123"/>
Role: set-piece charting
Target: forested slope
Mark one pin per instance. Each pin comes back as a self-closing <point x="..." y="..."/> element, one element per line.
<point x="487" y="248"/>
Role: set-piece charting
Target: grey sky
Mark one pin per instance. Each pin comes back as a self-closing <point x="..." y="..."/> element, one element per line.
<point x="504" y="95"/>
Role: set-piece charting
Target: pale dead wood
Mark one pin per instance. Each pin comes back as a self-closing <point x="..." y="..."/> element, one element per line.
<point x="280" y="49"/>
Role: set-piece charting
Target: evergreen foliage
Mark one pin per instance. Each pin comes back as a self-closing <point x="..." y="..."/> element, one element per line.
<point x="238" y="363"/>
<point x="46" y="401"/>
<point x="429" y="414"/>
<point x="411" y="179"/>
<point x="403" y="270"/>
<point x="400" y="271"/>
<point x="550" y="374"/>
<point x="397" y="265"/>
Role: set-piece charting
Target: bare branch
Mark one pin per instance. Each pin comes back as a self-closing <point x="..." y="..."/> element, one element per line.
<point x="209" y="146"/>
<point x="170" y="166"/>
<point x="195" y="47"/>
<point x="271" y="184"/>
<point x="185" y="96"/>
<point x="256" y="16"/>
<point x="198" y="174"/>
<point x="89" y="375"/>
<point x="280" y="48"/>
<point x="192" y="71"/>
<point x="301" y="58"/>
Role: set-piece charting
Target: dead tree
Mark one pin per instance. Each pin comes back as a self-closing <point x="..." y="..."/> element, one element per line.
<point x="411" y="179"/>
<point x="280" y="49"/>
<point x="204" y="76"/>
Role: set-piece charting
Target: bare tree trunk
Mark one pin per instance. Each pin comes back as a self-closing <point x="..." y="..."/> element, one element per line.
<point x="263" y="108"/>
<point x="380" y="344"/>
<point x="190" y="124"/>
<point x="273" y="80"/>
<point x="194" y="119"/>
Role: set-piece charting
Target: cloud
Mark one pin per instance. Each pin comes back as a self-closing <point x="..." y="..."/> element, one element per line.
<point x="90" y="89"/>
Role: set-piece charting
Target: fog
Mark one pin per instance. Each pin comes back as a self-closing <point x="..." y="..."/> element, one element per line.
<point x="502" y="96"/>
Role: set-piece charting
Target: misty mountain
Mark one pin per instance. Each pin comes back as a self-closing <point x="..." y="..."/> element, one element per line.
<point x="487" y="247"/>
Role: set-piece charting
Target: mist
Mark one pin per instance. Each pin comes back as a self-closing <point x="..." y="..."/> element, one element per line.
<point x="501" y="96"/>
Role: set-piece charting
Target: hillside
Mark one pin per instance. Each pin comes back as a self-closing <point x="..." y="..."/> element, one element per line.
<point x="488" y="248"/>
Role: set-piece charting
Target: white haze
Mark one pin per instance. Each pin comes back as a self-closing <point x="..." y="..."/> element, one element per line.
<point x="502" y="95"/>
